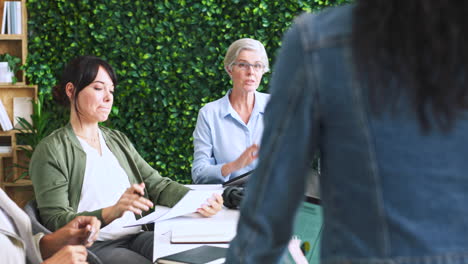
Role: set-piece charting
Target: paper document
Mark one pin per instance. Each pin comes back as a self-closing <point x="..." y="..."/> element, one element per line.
<point x="205" y="187"/>
<point x="188" y="204"/>
<point x="151" y="218"/>
<point x="203" y="232"/>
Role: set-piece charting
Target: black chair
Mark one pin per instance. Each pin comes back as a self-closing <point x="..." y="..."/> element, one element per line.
<point x="31" y="210"/>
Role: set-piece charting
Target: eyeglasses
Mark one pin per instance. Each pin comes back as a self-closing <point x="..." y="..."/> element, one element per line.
<point x="246" y="66"/>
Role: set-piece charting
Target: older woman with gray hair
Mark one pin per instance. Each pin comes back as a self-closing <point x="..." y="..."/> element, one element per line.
<point x="228" y="131"/>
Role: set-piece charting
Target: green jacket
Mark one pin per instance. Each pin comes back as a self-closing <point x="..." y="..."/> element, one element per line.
<point x="57" y="170"/>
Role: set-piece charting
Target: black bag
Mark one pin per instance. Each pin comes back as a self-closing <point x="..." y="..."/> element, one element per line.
<point x="232" y="196"/>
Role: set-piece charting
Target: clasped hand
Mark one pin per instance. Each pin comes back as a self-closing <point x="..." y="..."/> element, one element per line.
<point x="67" y="244"/>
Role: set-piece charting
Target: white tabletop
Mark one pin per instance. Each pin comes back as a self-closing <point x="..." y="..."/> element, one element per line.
<point x="162" y="230"/>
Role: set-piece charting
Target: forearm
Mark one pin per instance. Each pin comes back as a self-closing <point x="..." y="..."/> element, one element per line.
<point x="168" y="195"/>
<point x="54" y="219"/>
<point x="207" y="173"/>
<point x="229" y="168"/>
<point x="49" y="245"/>
<point x="109" y="214"/>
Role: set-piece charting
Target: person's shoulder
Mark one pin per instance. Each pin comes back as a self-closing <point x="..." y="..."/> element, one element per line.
<point x="108" y="130"/>
<point x="113" y="133"/>
<point x="214" y="106"/>
<point x="262" y="96"/>
<point x="55" y="137"/>
<point x="262" y="99"/>
<point x="328" y="17"/>
<point x="333" y="24"/>
<point x="56" y="140"/>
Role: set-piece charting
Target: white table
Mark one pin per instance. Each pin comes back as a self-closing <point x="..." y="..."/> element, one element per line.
<point x="162" y="230"/>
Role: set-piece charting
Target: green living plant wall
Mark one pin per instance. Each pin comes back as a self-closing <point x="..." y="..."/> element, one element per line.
<point x="168" y="56"/>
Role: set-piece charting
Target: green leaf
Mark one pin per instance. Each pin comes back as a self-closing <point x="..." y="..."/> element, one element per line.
<point x="168" y="56"/>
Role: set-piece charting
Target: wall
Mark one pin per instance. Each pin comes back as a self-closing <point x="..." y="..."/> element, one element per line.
<point x="168" y="56"/>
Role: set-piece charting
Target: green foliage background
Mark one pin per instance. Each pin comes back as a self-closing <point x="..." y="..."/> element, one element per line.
<point x="168" y="56"/>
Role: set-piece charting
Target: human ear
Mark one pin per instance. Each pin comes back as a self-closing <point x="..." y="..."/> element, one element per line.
<point x="228" y="70"/>
<point x="70" y="89"/>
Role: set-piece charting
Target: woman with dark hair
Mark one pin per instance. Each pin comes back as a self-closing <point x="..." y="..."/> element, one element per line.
<point x="87" y="169"/>
<point x="379" y="89"/>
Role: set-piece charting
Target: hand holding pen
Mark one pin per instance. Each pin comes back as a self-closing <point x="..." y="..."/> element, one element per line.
<point x="132" y="200"/>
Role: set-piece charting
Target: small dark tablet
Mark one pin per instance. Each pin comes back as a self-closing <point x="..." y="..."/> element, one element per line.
<point x="313" y="200"/>
<point x="239" y="180"/>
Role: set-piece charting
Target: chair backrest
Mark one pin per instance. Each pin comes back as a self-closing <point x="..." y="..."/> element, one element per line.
<point x="308" y="228"/>
<point x="31" y="210"/>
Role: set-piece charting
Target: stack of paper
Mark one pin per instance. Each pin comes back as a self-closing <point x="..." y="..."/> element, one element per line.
<point x="203" y="232"/>
<point x="187" y="205"/>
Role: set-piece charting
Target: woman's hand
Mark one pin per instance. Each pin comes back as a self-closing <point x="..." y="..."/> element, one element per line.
<point x="69" y="255"/>
<point x="83" y="230"/>
<point x="248" y="156"/>
<point x="131" y="200"/>
<point x="215" y="204"/>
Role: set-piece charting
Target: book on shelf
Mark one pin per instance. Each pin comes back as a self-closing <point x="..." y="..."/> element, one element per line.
<point x="5" y="15"/>
<point x="22" y="107"/>
<point x="18" y="28"/>
<point x="5" y="149"/>
<point x="199" y="255"/>
<point x="5" y="144"/>
<point x="11" y="22"/>
<point x="4" y="119"/>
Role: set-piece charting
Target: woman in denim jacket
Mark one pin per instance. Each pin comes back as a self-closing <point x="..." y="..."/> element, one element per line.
<point x="379" y="89"/>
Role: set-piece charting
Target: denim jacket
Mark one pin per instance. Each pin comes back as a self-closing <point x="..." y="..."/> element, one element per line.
<point x="390" y="193"/>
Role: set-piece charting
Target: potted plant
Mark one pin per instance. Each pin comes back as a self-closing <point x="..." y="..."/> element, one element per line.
<point x="31" y="133"/>
<point x="9" y="65"/>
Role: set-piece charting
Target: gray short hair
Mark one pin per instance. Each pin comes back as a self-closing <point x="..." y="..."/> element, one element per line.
<point x="245" y="44"/>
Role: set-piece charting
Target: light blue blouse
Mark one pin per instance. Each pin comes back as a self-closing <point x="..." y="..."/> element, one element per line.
<point x="221" y="136"/>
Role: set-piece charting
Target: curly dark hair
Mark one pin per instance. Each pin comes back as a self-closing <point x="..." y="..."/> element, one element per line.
<point x="415" y="48"/>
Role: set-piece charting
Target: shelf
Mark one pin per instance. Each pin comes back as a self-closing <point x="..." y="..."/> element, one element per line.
<point x="11" y="36"/>
<point x="13" y="131"/>
<point x="19" y="183"/>
<point x="15" y="45"/>
<point x="18" y="85"/>
<point x="6" y="155"/>
<point x="21" y="147"/>
<point x="8" y="133"/>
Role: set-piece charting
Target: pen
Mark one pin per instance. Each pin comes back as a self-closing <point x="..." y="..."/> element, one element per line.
<point x="89" y="236"/>
<point x="139" y="194"/>
<point x="151" y="208"/>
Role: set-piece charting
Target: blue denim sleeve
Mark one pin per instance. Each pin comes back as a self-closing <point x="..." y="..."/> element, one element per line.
<point x="276" y="189"/>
